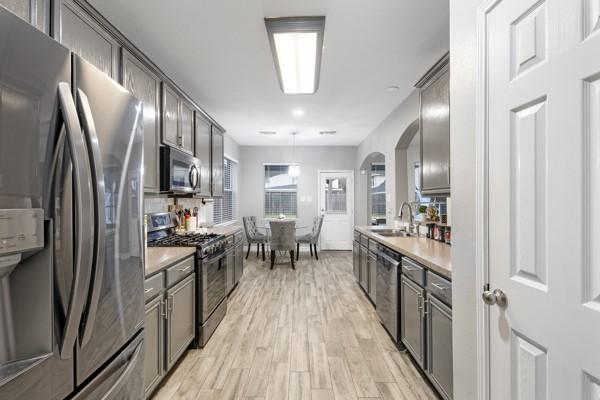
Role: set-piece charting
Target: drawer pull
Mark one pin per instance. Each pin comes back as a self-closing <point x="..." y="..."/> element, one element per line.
<point x="184" y="269"/>
<point x="146" y="291"/>
<point x="410" y="269"/>
<point x="440" y="287"/>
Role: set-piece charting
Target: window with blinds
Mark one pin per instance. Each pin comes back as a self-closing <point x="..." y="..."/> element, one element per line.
<point x="224" y="208"/>
<point x="281" y="194"/>
<point x="378" y="191"/>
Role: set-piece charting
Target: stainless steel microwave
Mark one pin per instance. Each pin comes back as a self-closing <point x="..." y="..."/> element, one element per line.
<point x="179" y="172"/>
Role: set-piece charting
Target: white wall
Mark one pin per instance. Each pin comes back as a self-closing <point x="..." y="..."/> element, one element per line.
<point x="463" y="79"/>
<point x="310" y="158"/>
<point x="384" y="140"/>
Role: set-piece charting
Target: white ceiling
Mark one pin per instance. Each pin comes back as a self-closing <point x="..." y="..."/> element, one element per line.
<point x="218" y="51"/>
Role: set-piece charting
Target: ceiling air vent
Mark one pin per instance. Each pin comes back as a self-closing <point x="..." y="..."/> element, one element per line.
<point x="327" y="132"/>
<point x="268" y="133"/>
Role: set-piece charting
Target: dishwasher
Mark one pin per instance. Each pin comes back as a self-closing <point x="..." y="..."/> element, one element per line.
<point x="387" y="290"/>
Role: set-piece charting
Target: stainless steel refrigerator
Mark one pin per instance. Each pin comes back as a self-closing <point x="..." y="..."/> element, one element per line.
<point x="71" y="250"/>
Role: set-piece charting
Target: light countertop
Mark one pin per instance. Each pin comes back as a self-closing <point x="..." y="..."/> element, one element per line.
<point x="158" y="258"/>
<point x="434" y="255"/>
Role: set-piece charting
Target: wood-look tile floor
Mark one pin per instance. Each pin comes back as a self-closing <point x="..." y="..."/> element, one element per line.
<point x="301" y="334"/>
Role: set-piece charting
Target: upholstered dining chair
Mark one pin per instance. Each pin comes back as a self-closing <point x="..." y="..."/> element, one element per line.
<point x="283" y="238"/>
<point x="312" y="238"/>
<point x="254" y="236"/>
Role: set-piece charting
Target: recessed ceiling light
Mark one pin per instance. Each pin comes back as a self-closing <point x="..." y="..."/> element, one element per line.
<point x="297" y="47"/>
<point x="392" y="88"/>
<point x="298" y="112"/>
<point x="267" y="132"/>
<point x="327" y="132"/>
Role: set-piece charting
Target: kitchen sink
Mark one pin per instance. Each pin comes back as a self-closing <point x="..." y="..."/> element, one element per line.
<point x="392" y="232"/>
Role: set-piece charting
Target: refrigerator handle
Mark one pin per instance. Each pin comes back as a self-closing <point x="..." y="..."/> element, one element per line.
<point x="89" y="131"/>
<point x="83" y="211"/>
<point x="131" y="364"/>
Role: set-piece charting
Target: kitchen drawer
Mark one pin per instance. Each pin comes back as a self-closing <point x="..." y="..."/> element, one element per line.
<point x="153" y="286"/>
<point x="373" y="246"/>
<point x="440" y="288"/>
<point x="238" y="237"/>
<point x="179" y="271"/>
<point x="413" y="271"/>
<point x="364" y="240"/>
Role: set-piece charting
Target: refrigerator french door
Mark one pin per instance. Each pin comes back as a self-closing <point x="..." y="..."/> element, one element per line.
<point x="71" y="268"/>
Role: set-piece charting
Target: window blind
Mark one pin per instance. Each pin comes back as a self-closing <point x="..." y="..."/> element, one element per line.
<point x="378" y="191"/>
<point x="225" y="208"/>
<point x="281" y="194"/>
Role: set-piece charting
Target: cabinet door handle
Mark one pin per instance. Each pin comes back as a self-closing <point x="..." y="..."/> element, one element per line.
<point x="440" y="287"/>
<point x="420" y="303"/>
<point x="425" y="312"/>
<point x="185" y="269"/>
<point x="163" y="310"/>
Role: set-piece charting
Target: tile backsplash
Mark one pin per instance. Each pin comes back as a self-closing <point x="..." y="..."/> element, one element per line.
<point x="157" y="203"/>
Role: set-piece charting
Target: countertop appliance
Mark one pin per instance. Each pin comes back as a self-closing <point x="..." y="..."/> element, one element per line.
<point x="179" y="172"/>
<point x="71" y="253"/>
<point x="211" y="267"/>
<point x="387" y="290"/>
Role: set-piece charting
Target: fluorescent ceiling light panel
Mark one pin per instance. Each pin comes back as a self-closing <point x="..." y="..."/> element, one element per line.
<point x="297" y="47"/>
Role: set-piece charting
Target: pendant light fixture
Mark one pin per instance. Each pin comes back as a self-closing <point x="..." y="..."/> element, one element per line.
<point x="294" y="169"/>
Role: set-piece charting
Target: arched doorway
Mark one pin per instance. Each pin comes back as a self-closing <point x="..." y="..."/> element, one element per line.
<point x="372" y="176"/>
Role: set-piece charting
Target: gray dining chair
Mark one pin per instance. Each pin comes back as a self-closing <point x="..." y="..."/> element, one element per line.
<point x="283" y="238"/>
<point x="254" y="236"/>
<point x="311" y="238"/>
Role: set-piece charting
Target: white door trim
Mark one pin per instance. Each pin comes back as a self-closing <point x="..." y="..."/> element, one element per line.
<point x="481" y="204"/>
<point x="341" y="171"/>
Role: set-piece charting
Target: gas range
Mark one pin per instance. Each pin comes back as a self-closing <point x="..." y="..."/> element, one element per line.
<point x="162" y="233"/>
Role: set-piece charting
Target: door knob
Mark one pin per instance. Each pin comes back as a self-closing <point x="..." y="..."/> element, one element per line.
<point x="495" y="297"/>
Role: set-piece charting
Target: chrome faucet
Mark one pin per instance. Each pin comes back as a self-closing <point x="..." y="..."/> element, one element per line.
<point x="411" y="225"/>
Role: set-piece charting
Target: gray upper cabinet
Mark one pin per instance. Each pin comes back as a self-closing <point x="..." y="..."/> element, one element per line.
<point x="170" y="113"/>
<point x="187" y="127"/>
<point x="36" y="12"/>
<point x="435" y="129"/>
<point x="217" y="159"/>
<point x="202" y="152"/>
<point x="86" y="37"/>
<point x="178" y="120"/>
<point x="145" y="85"/>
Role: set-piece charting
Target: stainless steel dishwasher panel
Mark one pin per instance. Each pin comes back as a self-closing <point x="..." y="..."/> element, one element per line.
<point x="386" y="293"/>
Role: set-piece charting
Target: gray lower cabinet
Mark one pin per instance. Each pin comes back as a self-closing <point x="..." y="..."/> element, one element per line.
<point x="154" y="332"/>
<point x="372" y="268"/>
<point x="202" y="152"/>
<point x="364" y="272"/>
<point x="439" y="346"/>
<point x="36" y="12"/>
<point x="239" y="260"/>
<point x="181" y="313"/>
<point x="217" y="159"/>
<point x="230" y="270"/>
<point x="144" y="84"/>
<point x="356" y="260"/>
<point x="412" y="321"/>
<point x="78" y="31"/>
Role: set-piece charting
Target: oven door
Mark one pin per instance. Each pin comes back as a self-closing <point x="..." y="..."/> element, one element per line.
<point x="180" y="172"/>
<point x="212" y="285"/>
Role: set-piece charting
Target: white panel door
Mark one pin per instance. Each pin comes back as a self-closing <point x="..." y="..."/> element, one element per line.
<point x="542" y="124"/>
<point x="336" y="204"/>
